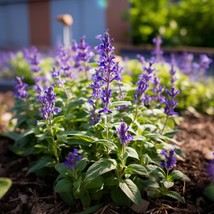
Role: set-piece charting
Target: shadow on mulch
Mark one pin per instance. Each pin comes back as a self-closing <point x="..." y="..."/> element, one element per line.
<point x="33" y="194"/>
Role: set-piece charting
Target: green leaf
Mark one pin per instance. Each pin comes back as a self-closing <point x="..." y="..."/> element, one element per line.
<point x="80" y="166"/>
<point x="5" y="184"/>
<point x="131" y="190"/>
<point x="42" y="163"/>
<point x="67" y="197"/>
<point x="209" y="192"/>
<point x="140" y="138"/>
<point x="120" y="198"/>
<point x="62" y="169"/>
<point x="64" y="185"/>
<point x="136" y="169"/>
<point x="109" y="144"/>
<point x="100" y="167"/>
<point x="80" y="135"/>
<point x="176" y="174"/>
<point x="175" y="195"/>
<point x="85" y="199"/>
<point x="168" y="184"/>
<point x="93" y="209"/>
<point x="96" y="183"/>
<point x="121" y="103"/>
<point x="111" y="181"/>
<point x="132" y="153"/>
<point x="25" y="133"/>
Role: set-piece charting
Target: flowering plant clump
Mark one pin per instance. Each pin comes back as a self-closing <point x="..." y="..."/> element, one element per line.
<point x="104" y="137"/>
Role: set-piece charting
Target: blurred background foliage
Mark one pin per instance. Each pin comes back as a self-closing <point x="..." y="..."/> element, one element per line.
<point x="179" y="22"/>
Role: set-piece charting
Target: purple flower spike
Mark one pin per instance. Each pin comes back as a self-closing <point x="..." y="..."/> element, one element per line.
<point x="143" y="85"/>
<point x="33" y="57"/>
<point x="157" y="52"/>
<point x="63" y="61"/>
<point x="158" y="90"/>
<point x="83" y="55"/>
<point x="48" y="103"/>
<point x="205" y="61"/>
<point x="122" y="131"/>
<point x="170" y="159"/>
<point x="107" y="72"/>
<point x="20" y="88"/>
<point x="72" y="159"/>
<point x="172" y="93"/>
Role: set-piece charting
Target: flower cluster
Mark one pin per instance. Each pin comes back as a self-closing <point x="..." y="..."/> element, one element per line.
<point x="158" y="90"/>
<point x="170" y="158"/>
<point x="48" y="103"/>
<point x="20" y="88"/>
<point x="172" y="93"/>
<point x="107" y="72"/>
<point x="33" y="57"/>
<point x="83" y="54"/>
<point x="63" y="61"/>
<point x="122" y="131"/>
<point x="157" y="52"/>
<point x="72" y="159"/>
<point x="143" y="85"/>
<point x="95" y="116"/>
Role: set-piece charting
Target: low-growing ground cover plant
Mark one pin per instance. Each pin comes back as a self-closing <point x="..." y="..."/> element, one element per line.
<point x="99" y="135"/>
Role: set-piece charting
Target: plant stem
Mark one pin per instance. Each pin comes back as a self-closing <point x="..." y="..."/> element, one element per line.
<point x="106" y="123"/>
<point x="167" y="117"/>
<point x="136" y="113"/>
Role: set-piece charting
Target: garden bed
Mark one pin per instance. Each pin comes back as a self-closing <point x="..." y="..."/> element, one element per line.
<point x="33" y="194"/>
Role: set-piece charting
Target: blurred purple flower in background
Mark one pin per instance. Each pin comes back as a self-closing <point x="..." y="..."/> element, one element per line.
<point x="204" y="64"/>
<point x="33" y="58"/>
<point x="63" y="61"/>
<point x="20" y="88"/>
<point x="72" y="159"/>
<point x="170" y="158"/>
<point x="82" y="55"/>
<point x="157" y="52"/>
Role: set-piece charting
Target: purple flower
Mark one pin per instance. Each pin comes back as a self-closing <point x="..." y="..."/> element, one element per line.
<point x="72" y="159"/>
<point x="107" y="72"/>
<point x="172" y="93"/>
<point x="33" y="58"/>
<point x="83" y="54"/>
<point x="170" y="158"/>
<point x="20" y="88"/>
<point x="48" y="103"/>
<point x="157" y="90"/>
<point x="205" y="61"/>
<point x="204" y="64"/>
<point x="95" y="117"/>
<point x="157" y="52"/>
<point x="143" y="85"/>
<point x="211" y="168"/>
<point x="122" y="131"/>
<point x="63" y="61"/>
<point x="187" y="63"/>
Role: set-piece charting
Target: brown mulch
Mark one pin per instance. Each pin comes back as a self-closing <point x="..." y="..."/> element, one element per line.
<point x="33" y="194"/>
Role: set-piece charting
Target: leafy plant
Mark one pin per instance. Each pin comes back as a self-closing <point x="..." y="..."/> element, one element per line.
<point x="104" y="136"/>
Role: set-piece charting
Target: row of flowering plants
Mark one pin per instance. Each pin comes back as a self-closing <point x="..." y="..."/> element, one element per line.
<point x="98" y="135"/>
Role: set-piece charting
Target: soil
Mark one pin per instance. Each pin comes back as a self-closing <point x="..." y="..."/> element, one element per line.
<point x="33" y="194"/>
